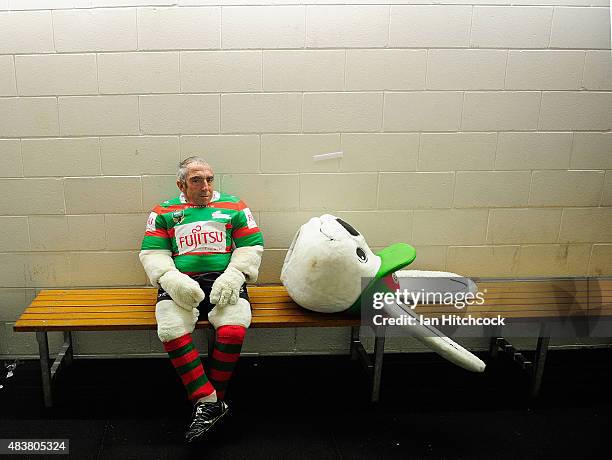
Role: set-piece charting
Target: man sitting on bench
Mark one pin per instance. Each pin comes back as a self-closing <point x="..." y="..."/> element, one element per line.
<point x="199" y="249"/>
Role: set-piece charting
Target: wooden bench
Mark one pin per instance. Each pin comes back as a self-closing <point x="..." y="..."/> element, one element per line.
<point x="133" y="309"/>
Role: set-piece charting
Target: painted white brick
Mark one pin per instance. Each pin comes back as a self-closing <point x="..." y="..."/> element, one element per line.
<point x="226" y="154"/>
<point x="347" y="26"/>
<point x="587" y="111"/>
<point x="511" y="27"/>
<point x="125" y="73"/>
<point x="483" y="260"/>
<point x="416" y="190"/>
<point x="223" y="71"/>
<point x="601" y="260"/>
<point x="581" y="28"/>
<point x="294" y="152"/>
<point x="263" y="27"/>
<point x="64" y="233"/>
<point x="501" y="111"/>
<point x="433" y="26"/>
<point x="264" y="192"/>
<point x="303" y="70"/>
<point x="28" y="116"/>
<point x="13" y="267"/>
<point x="586" y="225"/>
<point x="450" y="226"/>
<point x="117" y="342"/>
<point x="102" y="3"/>
<point x="397" y="225"/>
<point x="179" y="28"/>
<point x="179" y="114"/>
<point x="566" y="188"/>
<point x="106" y="269"/>
<point x="8" y="86"/>
<point x="533" y="151"/>
<point x="332" y="192"/>
<point x="516" y="226"/>
<point x="269" y="341"/>
<point x="279" y="228"/>
<point x="592" y="151"/>
<point x="26" y="32"/>
<point x="48" y="269"/>
<point x="322" y="340"/>
<point x="61" y="157"/>
<point x="557" y="2"/>
<point x="429" y="258"/>
<point x="332" y="112"/>
<point x="112" y="29"/>
<point x="423" y="111"/>
<point x="98" y="115"/>
<point x="14" y="301"/>
<point x="45" y="4"/>
<point x="466" y="69"/>
<point x="36" y="196"/>
<point x="379" y="152"/>
<point x="25" y="344"/>
<point x="548" y="69"/>
<point x="56" y="74"/>
<point x="156" y="189"/>
<point x="553" y="260"/>
<point x="10" y="158"/>
<point x="271" y="264"/>
<point x="476" y="189"/>
<point x="94" y="195"/>
<point x="253" y="113"/>
<point x="124" y="156"/>
<point x="457" y="151"/>
<point x="124" y="231"/>
<point x="606" y="198"/>
<point x="385" y="69"/>
<point x="598" y="70"/>
<point x="14" y="236"/>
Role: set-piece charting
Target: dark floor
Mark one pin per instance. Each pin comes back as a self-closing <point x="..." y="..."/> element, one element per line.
<point x="317" y="407"/>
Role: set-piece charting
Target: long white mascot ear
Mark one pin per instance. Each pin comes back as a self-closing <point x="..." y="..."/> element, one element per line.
<point x="323" y="272"/>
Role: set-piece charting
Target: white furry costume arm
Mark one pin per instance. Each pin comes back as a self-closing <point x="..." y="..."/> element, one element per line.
<point x="243" y="266"/>
<point x="160" y="269"/>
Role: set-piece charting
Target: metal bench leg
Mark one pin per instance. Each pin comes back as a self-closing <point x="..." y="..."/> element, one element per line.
<point x="355" y="342"/>
<point x="540" y="360"/>
<point x="45" y="367"/>
<point x="379" y="352"/>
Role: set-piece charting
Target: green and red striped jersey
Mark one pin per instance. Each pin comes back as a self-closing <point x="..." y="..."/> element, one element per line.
<point x="201" y="238"/>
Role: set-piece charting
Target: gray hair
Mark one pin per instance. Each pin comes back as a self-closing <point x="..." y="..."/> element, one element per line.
<point x="181" y="175"/>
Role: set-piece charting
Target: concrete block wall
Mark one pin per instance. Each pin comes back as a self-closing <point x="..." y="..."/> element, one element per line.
<point x="477" y="130"/>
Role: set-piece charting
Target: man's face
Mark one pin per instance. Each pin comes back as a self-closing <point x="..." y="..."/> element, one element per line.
<point x="198" y="185"/>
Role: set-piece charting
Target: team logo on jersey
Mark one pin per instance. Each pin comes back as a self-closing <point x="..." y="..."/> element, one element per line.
<point x="203" y="236"/>
<point x="178" y="216"/>
<point x="249" y="217"/>
<point x="220" y="215"/>
<point x="151" y="222"/>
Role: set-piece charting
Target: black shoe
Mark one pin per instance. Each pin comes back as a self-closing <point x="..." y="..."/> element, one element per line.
<point x="205" y="417"/>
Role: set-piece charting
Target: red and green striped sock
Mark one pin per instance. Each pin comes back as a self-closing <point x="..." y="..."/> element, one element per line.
<point x="186" y="360"/>
<point x="226" y="352"/>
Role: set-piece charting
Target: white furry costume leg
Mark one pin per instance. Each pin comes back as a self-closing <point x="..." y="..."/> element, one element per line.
<point x="243" y="266"/>
<point x="173" y="321"/>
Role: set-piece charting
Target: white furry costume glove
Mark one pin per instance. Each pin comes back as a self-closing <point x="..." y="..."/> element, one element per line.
<point x="226" y="288"/>
<point x="185" y="291"/>
<point x="243" y="267"/>
<point x="160" y="269"/>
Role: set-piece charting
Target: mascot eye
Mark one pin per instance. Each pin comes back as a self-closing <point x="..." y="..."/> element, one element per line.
<point x="349" y="228"/>
<point x="362" y="255"/>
